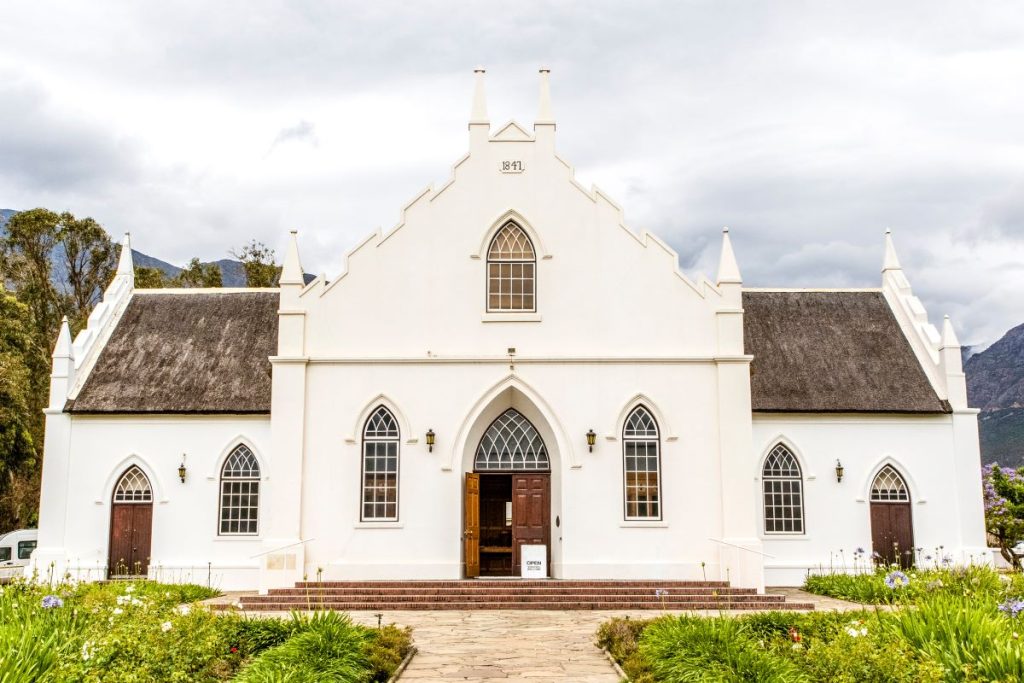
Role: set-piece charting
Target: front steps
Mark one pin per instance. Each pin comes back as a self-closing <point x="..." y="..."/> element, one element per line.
<point x="481" y="594"/>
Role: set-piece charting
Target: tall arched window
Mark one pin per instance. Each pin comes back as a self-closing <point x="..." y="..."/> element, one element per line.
<point x="380" y="467"/>
<point x="133" y="487"/>
<point x="511" y="271"/>
<point x="783" y="488"/>
<point x="240" y="493"/>
<point x="641" y="454"/>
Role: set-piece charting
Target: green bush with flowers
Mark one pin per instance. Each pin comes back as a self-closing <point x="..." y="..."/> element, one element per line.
<point x="953" y="624"/>
<point x="144" y="631"/>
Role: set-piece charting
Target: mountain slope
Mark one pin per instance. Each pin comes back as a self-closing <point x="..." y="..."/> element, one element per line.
<point x="995" y="385"/>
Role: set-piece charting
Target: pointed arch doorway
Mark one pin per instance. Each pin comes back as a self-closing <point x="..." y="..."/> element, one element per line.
<point x="131" y="525"/>
<point x="507" y="501"/>
<point x="892" y="524"/>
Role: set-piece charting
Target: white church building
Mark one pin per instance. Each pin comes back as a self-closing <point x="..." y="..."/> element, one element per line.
<point x="511" y="365"/>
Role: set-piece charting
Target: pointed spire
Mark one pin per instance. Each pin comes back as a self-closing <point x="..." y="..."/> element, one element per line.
<point x="125" y="266"/>
<point x="728" y="269"/>
<point x="949" y="340"/>
<point x="891" y="262"/>
<point x="291" y="269"/>
<point x="64" y="349"/>
<point x="545" y="117"/>
<point x="479" y="113"/>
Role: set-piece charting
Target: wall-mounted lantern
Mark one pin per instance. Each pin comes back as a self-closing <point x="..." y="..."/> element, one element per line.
<point x="181" y="469"/>
<point x="430" y="440"/>
<point x="839" y="471"/>
<point x="591" y="439"/>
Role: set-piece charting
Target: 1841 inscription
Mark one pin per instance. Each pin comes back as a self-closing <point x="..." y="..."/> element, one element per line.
<point x="512" y="167"/>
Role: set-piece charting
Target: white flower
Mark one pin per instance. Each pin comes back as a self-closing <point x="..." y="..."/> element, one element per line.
<point x="183" y="609"/>
<point x="165" y="627"/>
<point x="135" y="601"/>
<point x="129" y="588"/>
<point x="86" y="650"/>
<point x="118" y="610"/>
<point x="122" y="599"/>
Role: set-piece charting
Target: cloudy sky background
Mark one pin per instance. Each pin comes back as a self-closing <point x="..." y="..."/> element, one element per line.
<point x="806" y="127"/>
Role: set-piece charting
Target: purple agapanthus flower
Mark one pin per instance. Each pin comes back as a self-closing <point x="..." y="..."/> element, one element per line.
<point x="897" y="579"/>
<point x="1012" y="608"/>
<point x="859" y="551"/>
<point x="51" y="601"/>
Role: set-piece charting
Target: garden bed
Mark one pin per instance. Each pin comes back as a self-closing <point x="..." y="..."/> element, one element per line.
<point x="143" y="631"/>
<point x="957" y="625"/>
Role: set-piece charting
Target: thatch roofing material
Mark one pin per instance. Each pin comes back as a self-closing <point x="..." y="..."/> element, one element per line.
<point x="186" y="353"/>
<point x="832" y="352"/>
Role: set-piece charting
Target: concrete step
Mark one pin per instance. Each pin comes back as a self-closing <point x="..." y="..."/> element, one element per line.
<point x="582" y="605"/>
<point x="314" y="598"/>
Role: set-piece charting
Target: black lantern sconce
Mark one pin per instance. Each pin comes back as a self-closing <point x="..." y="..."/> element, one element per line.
<point x="839" y="472"/>
<point x="591" y="439"/>
<point x="181" y="469"/>
<point x="430" y="440"/>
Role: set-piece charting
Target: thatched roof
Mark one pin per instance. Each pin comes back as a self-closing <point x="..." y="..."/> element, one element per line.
<point x="838" y="352"/>
<point x="186" y="353"/>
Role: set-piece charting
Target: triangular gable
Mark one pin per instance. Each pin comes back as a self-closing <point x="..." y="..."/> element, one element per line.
<point x="512" y="132"/>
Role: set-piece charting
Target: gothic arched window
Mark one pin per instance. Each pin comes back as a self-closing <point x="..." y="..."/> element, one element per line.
<point x="642" y="463"/>
<point x="511" y="443"/>
<point x="889" y="487"/>
<point x="240" y="493"/>
<point x="511" y="271"/>
<point x="380" y="467"/>
<point x="133" y="487"/>
<point x="783" y="489"/>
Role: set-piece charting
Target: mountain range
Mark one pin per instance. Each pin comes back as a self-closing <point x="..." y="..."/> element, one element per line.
<point x="995" y="376"/>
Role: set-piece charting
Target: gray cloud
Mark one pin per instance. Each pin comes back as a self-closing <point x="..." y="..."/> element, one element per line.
<point x="808" y="128"/>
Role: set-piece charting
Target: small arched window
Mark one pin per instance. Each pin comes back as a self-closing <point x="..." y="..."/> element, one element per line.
<point x="783" y="489"/>
<point x="642" y="462"/>
<point x="380" y="467"/>
<point x="240" y="493"/>
<point x="133" y="487"/>
<point x="511" y="271"/>
<point x="889" y="487"/>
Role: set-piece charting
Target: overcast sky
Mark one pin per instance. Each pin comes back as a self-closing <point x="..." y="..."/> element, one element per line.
<point x="806" y="127"/>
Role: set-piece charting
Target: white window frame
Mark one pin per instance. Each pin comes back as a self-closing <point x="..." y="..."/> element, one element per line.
<point x="376" y="438"/>
<point x="781" y="479"/>
<point x="249" y="481"/>
<point x="635" y="439"/>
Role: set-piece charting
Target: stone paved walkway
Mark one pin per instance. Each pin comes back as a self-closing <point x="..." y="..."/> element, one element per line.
<point x="535" y="645"/>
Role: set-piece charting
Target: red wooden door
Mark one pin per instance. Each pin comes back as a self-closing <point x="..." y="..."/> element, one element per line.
<point x="531" y="514"/>
<point x="892" y="533"/>
<point x="471" y="525"/>
<point x="131" y="533"/>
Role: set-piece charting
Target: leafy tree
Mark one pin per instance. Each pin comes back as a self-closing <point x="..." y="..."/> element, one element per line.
<point x="197" y="274"/>
<point x="150" y="278"/>
<point x="1004" y="508"/>
<point x="20" y="413"/>
<point x="89" y="258"/>
<point x="26" y="258"/>
<point x="258" y="261"/>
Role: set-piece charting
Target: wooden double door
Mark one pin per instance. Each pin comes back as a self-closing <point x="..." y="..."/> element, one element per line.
<point x="892" y="533"/>
<point x="502" y="513"/>
<point x="131" y="533"/>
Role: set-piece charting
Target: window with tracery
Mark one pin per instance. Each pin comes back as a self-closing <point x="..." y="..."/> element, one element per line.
<point x="889" y="487"/>
<point x="511" y="443"/>
<point x="133" y="487"/>
<point x="511" y="271"/>
<point x="641" y="448"/>
<point x="380" y="467"/>
<point x="782" y="486"/>
<point x="240" y="493"/>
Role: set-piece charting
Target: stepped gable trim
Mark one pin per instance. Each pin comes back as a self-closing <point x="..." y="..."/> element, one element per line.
<point x="832" y="351"/>
<point x="205" y="352"/>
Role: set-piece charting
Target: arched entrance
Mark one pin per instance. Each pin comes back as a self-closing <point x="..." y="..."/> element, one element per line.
<point x="892" y="525"/>
<point x="507" y="503"/>
<point x="131" y="525"/>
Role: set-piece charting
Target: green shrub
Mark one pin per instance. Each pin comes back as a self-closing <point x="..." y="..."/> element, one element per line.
<point x="328" y="647"/>
<point x="870" y="588"/>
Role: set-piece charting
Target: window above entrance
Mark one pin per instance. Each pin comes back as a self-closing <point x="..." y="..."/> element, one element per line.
<point x="511" y="271"/>
<point x="511" y="443"/>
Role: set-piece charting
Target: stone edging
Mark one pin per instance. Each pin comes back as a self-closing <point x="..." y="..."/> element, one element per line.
<point x="401" y="667"/>
<point x="615" y="665"/>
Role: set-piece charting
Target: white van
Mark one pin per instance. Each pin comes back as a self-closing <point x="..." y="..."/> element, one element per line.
<point x="15" y="549"/>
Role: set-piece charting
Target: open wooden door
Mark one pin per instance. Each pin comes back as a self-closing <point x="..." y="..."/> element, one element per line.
<point x="471" y="525"/>
<point x="531" y="515"/>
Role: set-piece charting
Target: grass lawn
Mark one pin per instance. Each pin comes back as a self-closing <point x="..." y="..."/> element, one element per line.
<point x="956" y="624"/>
<point x="145" y="632"/>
